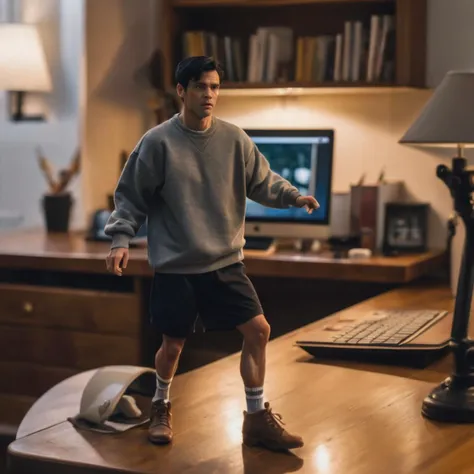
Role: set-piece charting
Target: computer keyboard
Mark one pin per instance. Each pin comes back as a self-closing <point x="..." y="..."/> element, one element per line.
<point x="392" y="327"/>
<point x="414" y="337"/>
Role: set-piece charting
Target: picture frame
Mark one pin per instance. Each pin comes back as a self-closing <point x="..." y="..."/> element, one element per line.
<point x="405" y="228"/>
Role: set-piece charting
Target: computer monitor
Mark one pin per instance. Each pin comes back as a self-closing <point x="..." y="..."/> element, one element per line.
<point x="305" y="159"/>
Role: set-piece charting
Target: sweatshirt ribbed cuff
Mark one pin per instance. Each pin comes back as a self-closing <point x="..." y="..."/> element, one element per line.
<point x="120" y="240"/>
<point x="291" y="198"/>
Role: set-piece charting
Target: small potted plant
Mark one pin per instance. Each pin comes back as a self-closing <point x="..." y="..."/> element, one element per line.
<point x="57" y="203"/>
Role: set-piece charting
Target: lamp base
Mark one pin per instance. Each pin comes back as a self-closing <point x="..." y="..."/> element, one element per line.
<point x="17" y="115"/>
<point x="28" y="118"/>
<point x="451" y="402"/>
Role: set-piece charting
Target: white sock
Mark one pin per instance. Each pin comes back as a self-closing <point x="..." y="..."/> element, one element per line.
<point x="162" y="389"/>
<point x="254" y="397"/>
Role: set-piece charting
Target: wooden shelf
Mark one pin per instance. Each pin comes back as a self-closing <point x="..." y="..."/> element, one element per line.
<point x="240" y="19"/>
<point x="308" y="88"/>
<point x="264" y="85"/>
<point x="262" y="3"/>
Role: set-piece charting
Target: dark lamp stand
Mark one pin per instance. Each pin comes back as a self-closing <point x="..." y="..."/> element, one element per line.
<point x="453" y="399"/>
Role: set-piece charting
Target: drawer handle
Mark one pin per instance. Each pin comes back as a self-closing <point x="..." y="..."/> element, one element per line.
<point x="28" y="307"/>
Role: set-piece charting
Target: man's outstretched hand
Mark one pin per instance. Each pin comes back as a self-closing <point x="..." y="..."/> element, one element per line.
<point x="308" y="202"/>
<point x="117" y="260"/>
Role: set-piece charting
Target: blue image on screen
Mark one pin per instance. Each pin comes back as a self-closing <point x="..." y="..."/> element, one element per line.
<point x="306" y="163"/>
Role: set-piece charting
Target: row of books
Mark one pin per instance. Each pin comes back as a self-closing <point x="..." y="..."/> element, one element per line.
<point x="362" y="52"/>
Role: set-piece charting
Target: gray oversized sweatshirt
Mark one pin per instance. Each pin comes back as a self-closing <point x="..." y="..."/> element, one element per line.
<point x="192" y="186"/>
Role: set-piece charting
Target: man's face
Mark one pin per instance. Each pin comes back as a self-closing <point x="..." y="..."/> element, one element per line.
<point x="201" y="96"/>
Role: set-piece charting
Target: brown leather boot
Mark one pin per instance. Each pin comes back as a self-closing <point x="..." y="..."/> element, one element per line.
<point x="264" y="428"/>
<point x="160" y="429"/>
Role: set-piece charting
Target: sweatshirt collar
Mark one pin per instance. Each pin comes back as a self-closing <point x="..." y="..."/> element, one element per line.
<point x="197" y="133"/>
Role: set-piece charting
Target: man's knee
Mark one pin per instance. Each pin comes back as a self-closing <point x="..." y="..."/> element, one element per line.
<point x="257" y="332"/>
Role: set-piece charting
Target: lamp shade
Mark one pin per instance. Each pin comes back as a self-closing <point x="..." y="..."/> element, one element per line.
<point x="22" y="60"/>
<point x="448" y="117"/>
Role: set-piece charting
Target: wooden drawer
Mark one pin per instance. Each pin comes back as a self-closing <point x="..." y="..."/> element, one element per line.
<point x="13" y="408"/>
<point x="67" y="308"/>
<point x="31" y="380"/>
<point x="60" y="348"/>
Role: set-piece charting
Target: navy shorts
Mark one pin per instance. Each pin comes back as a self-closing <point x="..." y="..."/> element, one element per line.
<point x="222" y="299"/>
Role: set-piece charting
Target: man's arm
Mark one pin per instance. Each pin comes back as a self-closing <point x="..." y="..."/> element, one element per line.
<point x="136" y="186"/>
<point x="269" y="188"/>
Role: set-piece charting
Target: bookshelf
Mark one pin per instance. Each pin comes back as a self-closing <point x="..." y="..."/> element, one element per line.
<point x="275" y="47"/>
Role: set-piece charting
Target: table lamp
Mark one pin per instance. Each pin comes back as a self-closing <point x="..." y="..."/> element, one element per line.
<point x="448" y="120"/>
<point x="23" y="65"/>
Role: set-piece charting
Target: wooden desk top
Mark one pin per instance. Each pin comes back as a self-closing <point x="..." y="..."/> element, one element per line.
<point x="354" y="418"/>
<point x="71" y="252"/>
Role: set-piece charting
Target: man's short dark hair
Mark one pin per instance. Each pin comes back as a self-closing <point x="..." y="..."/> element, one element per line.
<point x="192" y="68"/>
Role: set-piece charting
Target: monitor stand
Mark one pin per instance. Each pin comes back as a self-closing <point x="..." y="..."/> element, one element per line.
<point x="264" y="244"/>
<point x="268" y="245"/>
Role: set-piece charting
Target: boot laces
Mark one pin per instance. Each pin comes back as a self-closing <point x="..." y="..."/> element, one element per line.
<point x="161" y="414"/>
<point x="275" y="420"/>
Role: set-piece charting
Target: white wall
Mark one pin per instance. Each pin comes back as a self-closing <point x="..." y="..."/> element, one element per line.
<point x="120" y="37"/>
<point x="450" y="37"/>
<point x="21" y="184"/>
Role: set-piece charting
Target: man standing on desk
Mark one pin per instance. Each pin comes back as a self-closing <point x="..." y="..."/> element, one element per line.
<point x="190" y="177"/>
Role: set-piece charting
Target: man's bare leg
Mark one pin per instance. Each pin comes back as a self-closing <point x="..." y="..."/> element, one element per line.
<point x="166" y="362"/>
<point x="261" y="426"/>
<point x="256" y="333"/>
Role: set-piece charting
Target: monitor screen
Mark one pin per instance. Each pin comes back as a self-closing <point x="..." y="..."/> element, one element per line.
<point x="304" y="158"/>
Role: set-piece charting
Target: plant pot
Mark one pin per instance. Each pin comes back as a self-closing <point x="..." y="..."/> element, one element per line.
<point x="57" y="211"/>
